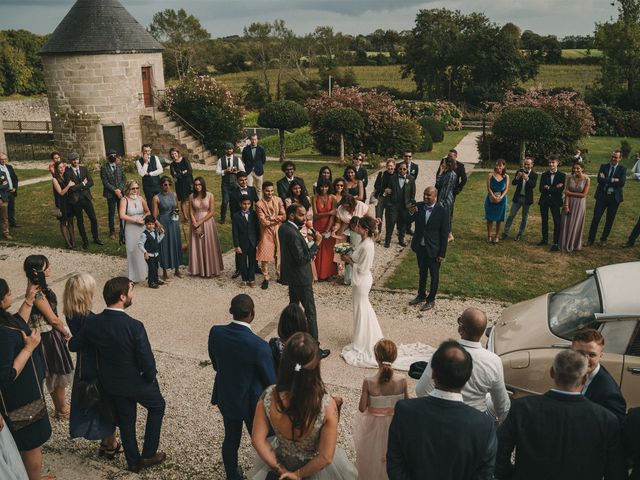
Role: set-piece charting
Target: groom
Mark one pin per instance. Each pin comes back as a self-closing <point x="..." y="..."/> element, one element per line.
<point x="297" y="253"/>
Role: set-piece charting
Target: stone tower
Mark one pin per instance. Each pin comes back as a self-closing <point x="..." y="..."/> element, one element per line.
<point x="102" y="70"/>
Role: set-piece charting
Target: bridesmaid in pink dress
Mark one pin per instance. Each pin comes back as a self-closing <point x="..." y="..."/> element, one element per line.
<point x="205" y="256"/>
<point x="324" y="209"/>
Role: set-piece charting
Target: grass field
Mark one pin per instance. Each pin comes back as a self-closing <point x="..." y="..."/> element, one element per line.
<point x="599" y="150"/>
<point x="27" y="173"/>
<point x="581" y="53"/>
<point x="514" y="271"/>
<point x="577" y="77"/>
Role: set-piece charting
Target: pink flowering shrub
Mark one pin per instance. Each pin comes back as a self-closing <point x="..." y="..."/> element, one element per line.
<point x="445" y="112"/>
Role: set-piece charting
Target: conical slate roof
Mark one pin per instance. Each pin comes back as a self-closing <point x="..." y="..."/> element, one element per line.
<point x="99" y="26"/>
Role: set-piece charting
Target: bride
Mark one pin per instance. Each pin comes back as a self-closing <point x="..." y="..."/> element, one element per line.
<point x="366" y="329"/>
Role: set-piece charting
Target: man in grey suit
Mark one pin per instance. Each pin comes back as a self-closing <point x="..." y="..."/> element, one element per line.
<point x="113" y="183"/>
<point x="401" y="197"/>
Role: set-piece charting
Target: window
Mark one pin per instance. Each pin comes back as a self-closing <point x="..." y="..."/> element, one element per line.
<point x="572" y="308"/>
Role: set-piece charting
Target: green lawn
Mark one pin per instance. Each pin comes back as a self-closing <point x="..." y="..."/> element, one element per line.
<point x="514" y="271"/>
<point x="581" y="53"/>
<point x="27" y="173"/>
<point x="598" y="150"/>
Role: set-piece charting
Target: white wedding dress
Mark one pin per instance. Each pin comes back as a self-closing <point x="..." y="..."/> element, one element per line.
<point x="366" y="329"/>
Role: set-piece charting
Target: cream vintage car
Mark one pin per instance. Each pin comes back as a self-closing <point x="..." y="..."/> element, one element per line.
<point x="529" y="334"/>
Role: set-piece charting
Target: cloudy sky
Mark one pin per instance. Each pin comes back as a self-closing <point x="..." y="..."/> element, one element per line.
<point x="224" y="17"/>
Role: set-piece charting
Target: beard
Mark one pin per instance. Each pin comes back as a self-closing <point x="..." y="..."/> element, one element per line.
<point x="128" y="303"/>
<point x="299" y="222"/>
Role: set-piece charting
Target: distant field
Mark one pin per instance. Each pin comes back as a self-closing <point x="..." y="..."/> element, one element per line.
<point x="575" y="76"/>
<point x="580" y="53"/>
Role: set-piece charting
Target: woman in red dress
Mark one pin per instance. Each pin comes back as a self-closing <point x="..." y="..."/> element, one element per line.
<point x="324" y="210"/>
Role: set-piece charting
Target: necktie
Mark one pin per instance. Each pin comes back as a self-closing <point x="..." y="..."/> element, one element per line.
<point x="78" y="173"/>
<point x="612" y="169"/>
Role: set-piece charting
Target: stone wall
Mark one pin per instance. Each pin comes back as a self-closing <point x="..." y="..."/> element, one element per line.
<point x="87" y="92"/>
<point x="34" y="108"/>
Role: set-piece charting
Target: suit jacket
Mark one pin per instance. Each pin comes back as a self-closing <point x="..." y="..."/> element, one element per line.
<point x="559" y="436"/>
<point x="604" y="391"/>
<point x="112" y="180"/>
<point x="295" y="256"/>
<point x="553" y="195"/>
<point x="381" y="183"/>
<point x="14" y="178"/>
<point x="244" y="368"/>
<point x="245" y="233"/>
<point x="252" y="164"/>
<point x="413" y="170"/>
<point x="126" y="363"/>
<point x="528" y="185"/>
<point x="606" y="183"/>
<point x="435" y="232"/>
<point x="405" y="196"/>
<point x="282" y="186"/>
<point x="79" y="191"/>
<point x="631" y="441"/>
<point x="234" y="201"/>
<point x="461" y="178"/>
<point x="362" y="174"/>
<point x="433" y="438"/>
<point x="4" y="187"/>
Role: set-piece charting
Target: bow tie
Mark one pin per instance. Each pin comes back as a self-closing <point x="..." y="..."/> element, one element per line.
<point x="428" y="208"/>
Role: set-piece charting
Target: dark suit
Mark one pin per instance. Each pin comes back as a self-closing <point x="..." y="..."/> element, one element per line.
<point x="236" y="194"/>
<point x="608" y="198"/>
<point x="631" y="441"/>
<point x="112" y="179"/>
<point x="244" y="368"/>
<point x="150" y="183"/>
<point x="551" y="200"/>
<point x="434" y="235"/>
<point x="413" y="170"/>
<point x="461" y="178"/>
<point x="127" y="373"/>
<point x="282" y="186"/>
<point x="254" y="163"/>
<point x="80" y="200"/>
<point x="559" y="436"/>
<point x="433" y="438"/>
<point x="295" y="270"/>
<point x="246" y="233"/>
<point x="604" y="391"/>
<point x="12" y="195"/>
<point x="522" y="198"/>
<point x="398" y="203"/>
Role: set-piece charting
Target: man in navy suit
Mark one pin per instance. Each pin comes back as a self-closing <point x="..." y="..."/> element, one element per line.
<point x="246" y="233"/>
<point x="552" y="184"/>
<point x="429" y="242"/>
<point x="254" y="157"/>
<point x="244" y="368"/>
<point x="611" y="179"/>
<point x="412" y="168"/>
<point x="600" y="386"/>
<point x="238" y="191"/>
<point x="127" y="371"/>
<point x="438" y="436"/>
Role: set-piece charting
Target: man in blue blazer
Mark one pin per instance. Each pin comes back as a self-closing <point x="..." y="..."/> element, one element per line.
<point x="126" y="370"/>
<point x="254" y="157"/>
<point x="429" y="242"/>
<point x="611" y="179"/>
<point x="244" y="368"/>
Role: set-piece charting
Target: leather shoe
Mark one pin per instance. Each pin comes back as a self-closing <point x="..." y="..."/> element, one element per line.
<point x="627" y="245"/>
<point x="427" y="306"/>
<point x="154" y="285"/>
<point x="157" y="459"/>
<point x="554" y="247"/>
<point x="603" y="243"/>
<point x="542" y="243"/>
<point x="588" y="243"/>
<point x="97" y="241"/>
<point x="386" y="244"/>
<point x="324" y="353"/>
<point x="236" y="274"/>
<point x="264" y="285"/>
<point x="402" y="243"/>
<point x="85" y="245"/>
<point x="518" y="237"/>
<point x="417" y="300"/>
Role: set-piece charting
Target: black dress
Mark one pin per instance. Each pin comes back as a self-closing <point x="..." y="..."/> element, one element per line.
<point x="61" y="201"/>
<point x="23" y="389"/>
<point x="183" y="174"/>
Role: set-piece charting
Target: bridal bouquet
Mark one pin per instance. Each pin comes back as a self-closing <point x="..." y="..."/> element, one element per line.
<point x="343" y="249"/>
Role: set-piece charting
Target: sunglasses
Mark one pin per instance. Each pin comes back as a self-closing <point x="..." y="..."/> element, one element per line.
<point x="407" y="156"/>
<point x="167" y="184"/>
<point x="135" y="188"/>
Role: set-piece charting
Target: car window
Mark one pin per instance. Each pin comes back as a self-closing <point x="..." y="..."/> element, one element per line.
<point x="572" y="308"/>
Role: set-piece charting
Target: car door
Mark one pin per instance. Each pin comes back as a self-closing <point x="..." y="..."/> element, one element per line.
<point x="631" y="372"/>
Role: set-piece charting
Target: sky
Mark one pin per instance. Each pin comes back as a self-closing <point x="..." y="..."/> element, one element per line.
<point x="223" y="17"/>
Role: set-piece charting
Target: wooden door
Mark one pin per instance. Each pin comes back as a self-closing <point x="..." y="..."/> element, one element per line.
<point x="146" y="87"/>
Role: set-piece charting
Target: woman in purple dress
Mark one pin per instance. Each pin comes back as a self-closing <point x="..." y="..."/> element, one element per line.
<point x="573" y="211"/>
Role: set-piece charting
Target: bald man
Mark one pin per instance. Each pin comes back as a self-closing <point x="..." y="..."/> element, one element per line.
<point x="429" y="244"/>
<point x="487" y="376"/>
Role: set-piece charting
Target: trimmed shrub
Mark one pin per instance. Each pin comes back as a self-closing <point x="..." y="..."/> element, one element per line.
<point x="524" y="125"/>
<point x="446" y="112"/>
<point x="427" y="142"/>
<point x="434" y="127"/>
<point x="343" y="121"/>
<point x="400" y="135"/>
<point x="625" y="149"/>
<point x="283" y="115"/>
<point x="209" y="106"/>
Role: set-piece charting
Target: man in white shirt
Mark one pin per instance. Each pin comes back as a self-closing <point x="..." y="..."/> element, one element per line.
<point x="487" y="376"/>
<point x="149" y="168"/>
<point x="635" y="171"/>
<point x="227" y="168"/>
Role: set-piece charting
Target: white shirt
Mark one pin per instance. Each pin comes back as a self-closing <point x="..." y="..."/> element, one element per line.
<point x="590" y="378"/>
<point x="244" y="324"/>
<point x="487" y="377"/>
<point x="115" y="309"/>
<point x="6" y="170"/>
<point x="635" y="172"/>
<point x="564" y="392"/>
<point x="224" y="162"/>
<point x="143" y="168"/>
<point x="451" y="396"/>
<point x="427" y="216"/>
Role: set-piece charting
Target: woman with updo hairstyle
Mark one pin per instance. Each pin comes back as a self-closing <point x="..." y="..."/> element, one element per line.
<point x="292" y="320"/>
<point x="304" y="418"/>
<point x="133" y="209"/>
<point x="380" y="393"/>
<point x="495" y="203"/>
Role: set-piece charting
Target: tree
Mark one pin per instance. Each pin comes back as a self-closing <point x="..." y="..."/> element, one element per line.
<point x="463" y="57"/>
<point x="523" y="125"/>
<point x="283" y="115"/>
<point x="342" y="121"/>
<point x="182" y="36"/>
<point x="21" y="68"/>
<point x="512" y="32"/>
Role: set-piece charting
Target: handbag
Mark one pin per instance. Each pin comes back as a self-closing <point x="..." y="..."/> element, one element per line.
<point x="89" y="392"/>
<point x="56" y="213"/>
<point x="121" y="238"/>
<point x="27" y="414"/>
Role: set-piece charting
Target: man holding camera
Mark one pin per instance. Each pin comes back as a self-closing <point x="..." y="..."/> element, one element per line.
<point x="228" y="167"/>
<point x="525" y="183"/>
<point x="150" y="169"/>
<point x="113" y="182"/>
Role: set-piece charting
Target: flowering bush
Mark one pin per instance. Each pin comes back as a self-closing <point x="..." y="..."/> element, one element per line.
<point x="209" y="106"/>
<point x="612" y="121"/>
<point x="446" y="112"/>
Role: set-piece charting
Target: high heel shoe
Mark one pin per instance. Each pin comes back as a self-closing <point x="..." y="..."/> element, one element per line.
<point x="109" y="453"/>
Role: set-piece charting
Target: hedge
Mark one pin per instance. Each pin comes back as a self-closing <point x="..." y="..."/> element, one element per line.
<point x="294" y="141"/>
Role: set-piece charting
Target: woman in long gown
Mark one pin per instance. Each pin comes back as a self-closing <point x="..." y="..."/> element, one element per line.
<point x="304" y="418"/>
<point x="165" y="209"/>
<point x="495" y="204"/>
<point x="205" y="257"/>
<point x="324" y="209"/>
<point x="133" y="209"/>
<point x="573" y="211"/>
<point x="348" y="207"/>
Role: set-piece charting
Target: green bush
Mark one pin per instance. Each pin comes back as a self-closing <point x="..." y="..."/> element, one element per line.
<point x="343" y="121"/>
<point x="446" y="112"/>
<point x="283" y="115"/>
<point x="294" y="141"/>
<point x="522" y="126"/>
<point x="209" y="106"/>
<point x="427" y="142"/>
<point x="254" y="94"/>
<point x="625" y="149"/>
<point x="400" y="135"/>
<point x="250" y="119"/>
<point x="434" y="127"/>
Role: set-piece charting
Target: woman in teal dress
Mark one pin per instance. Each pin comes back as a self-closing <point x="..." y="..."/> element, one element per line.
<point x="165" y="209"/>
<point x="495" y="205"/>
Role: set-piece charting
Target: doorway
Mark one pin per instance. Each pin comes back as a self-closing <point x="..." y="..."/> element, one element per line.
<point x="146" y="87"/>
<point x="113" y="139"/>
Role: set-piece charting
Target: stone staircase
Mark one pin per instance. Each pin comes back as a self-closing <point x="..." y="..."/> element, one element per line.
<point x="163" y="133"/>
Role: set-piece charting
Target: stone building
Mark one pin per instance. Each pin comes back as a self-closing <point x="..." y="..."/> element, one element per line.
<point x="103" y="71"/>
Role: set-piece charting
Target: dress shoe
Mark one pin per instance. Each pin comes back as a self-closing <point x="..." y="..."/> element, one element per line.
<point x="97" y="241"/>
<point x="7" y="236"/>
<point x="542" y="243"/>
<point x="627" y="245"/>
<point x="252" y="284"/>
<point x="603" y="243"/>
<point x="504" y="236"/>
<point x="85" y="245"/>
<point x="555" y="248"/>
<point x="386" y="244"/>
<point x="409" y="231"/>
<point x="417" y="300"/>
<point x="402" y="243"/>
<point x="588" y="243"/>
<point x="243" y="284"/>
<point x="157" y="459"/>
<point x="161" y="282"/>
<point x="518" y="237"/>
<point x="264" y="285"/>
<point x="177" y="274"/>
<point x="236" y="274"/>
<point x="325" y="352"/>
<point x="427" y="306"/>
<point x="154" y="285"/>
